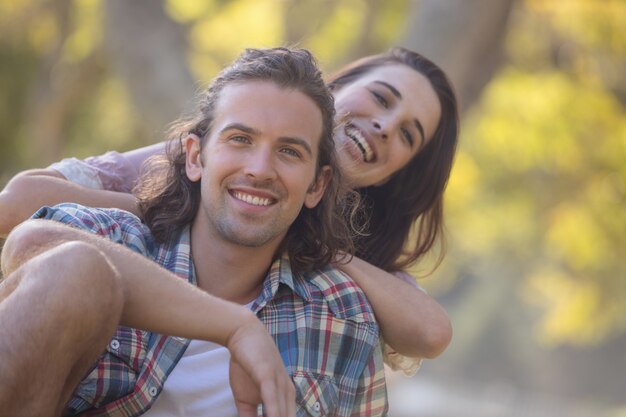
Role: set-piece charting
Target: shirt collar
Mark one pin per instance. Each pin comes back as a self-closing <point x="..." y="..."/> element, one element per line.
<point x="280" y="273"/>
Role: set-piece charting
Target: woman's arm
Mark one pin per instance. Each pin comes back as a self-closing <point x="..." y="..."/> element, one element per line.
<point x="137" y="156"/>
<point x="412" y="322"/>
<point x="111" y="171"/>
<point x="100" y="181"/>
<point x="29" y="190"/>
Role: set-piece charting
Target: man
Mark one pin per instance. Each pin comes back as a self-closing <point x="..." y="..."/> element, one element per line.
<point x="245" y="211"/>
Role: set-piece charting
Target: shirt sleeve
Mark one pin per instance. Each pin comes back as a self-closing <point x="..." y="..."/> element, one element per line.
<point x="116" y="225"/>
<point x="110" y="171"/>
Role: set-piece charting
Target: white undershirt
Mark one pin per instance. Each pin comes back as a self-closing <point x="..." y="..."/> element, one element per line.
<point x="198" y="385"/>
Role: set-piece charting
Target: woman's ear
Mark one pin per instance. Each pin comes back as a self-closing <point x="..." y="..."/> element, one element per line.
<point x="316" y="190"/>
<point x="193" y="157"/>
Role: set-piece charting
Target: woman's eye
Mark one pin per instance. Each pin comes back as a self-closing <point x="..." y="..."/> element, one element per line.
<point x="408" y="137"/>
<point x="381" y="99"/>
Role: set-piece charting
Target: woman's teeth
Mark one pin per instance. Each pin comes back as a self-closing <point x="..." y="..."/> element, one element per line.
<point x="355" y="134"/>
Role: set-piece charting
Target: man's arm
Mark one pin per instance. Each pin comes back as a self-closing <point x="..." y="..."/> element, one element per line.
<point x="155" y="299"/>
<point x="29" y="190"/>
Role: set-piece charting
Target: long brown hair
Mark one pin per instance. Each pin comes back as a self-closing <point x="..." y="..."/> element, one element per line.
<point x="413" y="196"/>
<point x="169" y="201"/>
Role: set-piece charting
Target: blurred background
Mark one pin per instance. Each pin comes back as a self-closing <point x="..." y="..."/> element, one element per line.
<point x="535" y="276"/>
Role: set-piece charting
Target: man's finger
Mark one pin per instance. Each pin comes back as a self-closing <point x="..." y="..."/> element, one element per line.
<point x="279" y="402"/>
<point x="245" y="410"/>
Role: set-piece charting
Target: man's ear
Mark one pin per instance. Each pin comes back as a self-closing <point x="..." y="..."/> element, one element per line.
<point x="193" y="157"/>
<point x="316" y="190"/>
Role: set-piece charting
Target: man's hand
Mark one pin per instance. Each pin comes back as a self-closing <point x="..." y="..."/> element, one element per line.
<point x="257" y="373"/>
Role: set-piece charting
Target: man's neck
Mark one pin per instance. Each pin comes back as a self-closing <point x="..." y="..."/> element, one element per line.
<point x="227" y="270"/>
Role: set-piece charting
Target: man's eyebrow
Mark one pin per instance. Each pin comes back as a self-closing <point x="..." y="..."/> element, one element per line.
<point x="298" y="142"/>
<point x="391" y="88"/>
<point x="240" y="126"/>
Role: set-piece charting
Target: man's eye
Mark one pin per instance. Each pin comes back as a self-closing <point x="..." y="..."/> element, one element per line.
<point x="290" y="152"/>
<point x="380" y="99"/>
<point x="240" y="139"/>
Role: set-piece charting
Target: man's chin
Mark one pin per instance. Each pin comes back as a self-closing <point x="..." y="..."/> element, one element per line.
<point x="250" y="238"/>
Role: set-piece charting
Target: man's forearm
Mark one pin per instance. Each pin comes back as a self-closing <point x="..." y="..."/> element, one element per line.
<point x="155" y="299"/>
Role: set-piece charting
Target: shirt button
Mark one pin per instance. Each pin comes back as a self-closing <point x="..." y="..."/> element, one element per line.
<point x="317" y="406"/>
<point x="153" y="391"/>
<point x="115" y="344"/>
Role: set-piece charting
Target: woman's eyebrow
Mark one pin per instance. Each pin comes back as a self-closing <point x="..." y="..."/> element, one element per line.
<point x="419" y="127"/>
<point x="391" y="88"/>
<point x="396" y="93"/>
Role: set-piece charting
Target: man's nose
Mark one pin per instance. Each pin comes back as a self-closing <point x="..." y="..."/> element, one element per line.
<point x="261" y="165"/>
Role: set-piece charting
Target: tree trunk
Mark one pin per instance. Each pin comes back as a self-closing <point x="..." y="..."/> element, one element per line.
<point x="464" y="37"/>
<point x="149" y="51"/>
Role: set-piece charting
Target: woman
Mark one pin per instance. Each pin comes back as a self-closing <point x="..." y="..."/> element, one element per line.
<point x="396" y="138"/>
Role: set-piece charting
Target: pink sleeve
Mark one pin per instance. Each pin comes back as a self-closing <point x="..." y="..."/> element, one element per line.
<point x="111" y="171"/>
<point x="116" y="172"/>
<point x="409" y="279"/>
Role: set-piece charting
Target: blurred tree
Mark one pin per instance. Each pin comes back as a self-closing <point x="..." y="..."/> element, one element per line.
<point x="536" y="203"/>
<point x="148" y="50"/>
<point x="536" y="208"/>
<point x="464" y="37"/>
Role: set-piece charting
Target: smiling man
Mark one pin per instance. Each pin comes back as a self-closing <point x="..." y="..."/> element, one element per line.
<point x="243" y="208"/>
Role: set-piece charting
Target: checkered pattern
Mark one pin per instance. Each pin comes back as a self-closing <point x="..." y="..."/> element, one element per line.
<point x="321" y="321"/>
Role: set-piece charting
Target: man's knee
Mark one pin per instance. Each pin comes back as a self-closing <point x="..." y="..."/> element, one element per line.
<point x="25" y="241"/>
<point x="71" y="283"/>
<point x="80" y="270"/>
<point x="75" y="269"/>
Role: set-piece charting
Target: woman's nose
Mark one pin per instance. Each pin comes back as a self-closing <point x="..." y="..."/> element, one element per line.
<point x="382" y="132"/>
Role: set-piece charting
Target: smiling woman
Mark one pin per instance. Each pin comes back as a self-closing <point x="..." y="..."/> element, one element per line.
<point x="396" y="135"/>
<point x="383" y="129"/>
<point x="404" y="107"/>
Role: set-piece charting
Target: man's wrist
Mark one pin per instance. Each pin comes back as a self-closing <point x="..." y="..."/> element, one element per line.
<point x="243" y="321"/>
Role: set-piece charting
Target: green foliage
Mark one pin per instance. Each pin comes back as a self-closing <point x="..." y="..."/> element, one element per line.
<point x="540" y="181"/>
<point x="539" y="184"/>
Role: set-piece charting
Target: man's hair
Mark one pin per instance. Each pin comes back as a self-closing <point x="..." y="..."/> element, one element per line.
<point x="169" y="201"/>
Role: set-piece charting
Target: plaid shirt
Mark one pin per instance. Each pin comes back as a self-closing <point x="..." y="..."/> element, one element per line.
<point x="321" y="322"/>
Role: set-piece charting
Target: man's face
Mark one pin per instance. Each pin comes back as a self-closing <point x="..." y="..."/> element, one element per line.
<point x="257" y="167"/>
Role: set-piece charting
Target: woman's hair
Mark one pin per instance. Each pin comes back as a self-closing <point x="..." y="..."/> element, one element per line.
<point x="413" y="196"/>
<point x="169" y="201"/>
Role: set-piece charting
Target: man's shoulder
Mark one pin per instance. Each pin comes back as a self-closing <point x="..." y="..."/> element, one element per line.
<point x="65" y="211"/>
<point x="344" y="297"/>
<point x="117" y="225"/>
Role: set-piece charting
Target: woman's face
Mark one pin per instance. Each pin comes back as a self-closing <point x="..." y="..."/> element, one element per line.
<point x="385" y="118"/>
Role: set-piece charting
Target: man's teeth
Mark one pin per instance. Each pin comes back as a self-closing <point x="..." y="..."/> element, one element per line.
<point x="250" y="199"/>
<point x="361" y="143"/>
